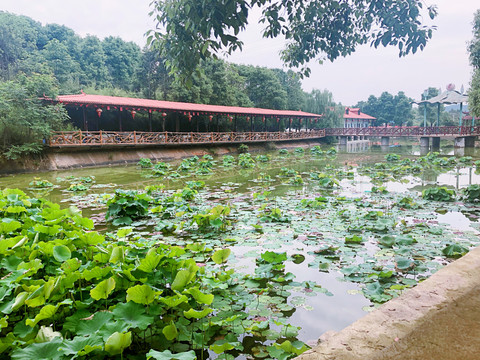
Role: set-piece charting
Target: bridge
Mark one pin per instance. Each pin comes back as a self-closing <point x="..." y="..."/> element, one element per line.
<point x="101" y="138"/>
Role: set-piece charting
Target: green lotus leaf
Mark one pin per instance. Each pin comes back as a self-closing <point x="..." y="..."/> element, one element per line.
<point x="81" y="345"/>
<point x="61" y="253"/>
<point x="454" y="251"/>
<point x="103" y="289"/>
<point x="221" y="256"/>
<point x="47" y="350"/>
<point x="200" y="296"/>
<point x="117" y="342"/>
<point x="141" y="294"/>
<point x="173" y="301"/>
<point x="197" y="314"/>
<point x="132" y="314"/>
<point x="167" y="355"/>
<point x="183" y="277"/>
<point x="170" y="331"/>
<point x="46" y="312"/>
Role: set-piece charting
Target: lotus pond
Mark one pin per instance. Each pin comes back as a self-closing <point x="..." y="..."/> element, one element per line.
<point x="233" y="257"/>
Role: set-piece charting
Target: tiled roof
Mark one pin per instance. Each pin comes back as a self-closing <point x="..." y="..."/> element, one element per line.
<point x="355" y="113"/>
<point x="102" y="101"/>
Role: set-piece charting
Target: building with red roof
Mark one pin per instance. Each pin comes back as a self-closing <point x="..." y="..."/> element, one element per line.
<point x="355" y="118"/>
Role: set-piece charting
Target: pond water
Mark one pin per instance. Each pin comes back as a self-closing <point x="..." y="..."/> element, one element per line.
<point x="353" y="224"/>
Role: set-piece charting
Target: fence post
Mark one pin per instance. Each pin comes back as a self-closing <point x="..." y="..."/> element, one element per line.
<point x="101" y="138"/>
<point x="80" y="137"/>
<point x="134" y="137"/>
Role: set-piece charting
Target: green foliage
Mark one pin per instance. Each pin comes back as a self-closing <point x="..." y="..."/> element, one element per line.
<point x="472" y="193"/>
<point x="438" y="194"/>
<point x="145" y="163"/>
<point x="127" y="206"/>
<point x="242" y="148"/>
<point x="455" y="251"/>
<point x="389" y="109"/>
<point x="392" y="157"/>
<point x="101" y="306"/>
<point x="246" y="161"/>
<point x="40" y="184"/>
<point x="25" y="121"/>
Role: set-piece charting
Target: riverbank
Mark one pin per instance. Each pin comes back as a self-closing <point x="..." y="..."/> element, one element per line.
<point x="53" y="159"/>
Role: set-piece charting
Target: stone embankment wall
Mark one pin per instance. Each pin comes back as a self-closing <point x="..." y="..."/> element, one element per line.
<point x="54" y="159"/>
<point x="439" y="319"/>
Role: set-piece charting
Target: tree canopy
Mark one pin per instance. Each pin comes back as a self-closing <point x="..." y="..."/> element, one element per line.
<point x="192" y="30"/>
<point x="389" y="109"/>
<point x="474" y="49"/>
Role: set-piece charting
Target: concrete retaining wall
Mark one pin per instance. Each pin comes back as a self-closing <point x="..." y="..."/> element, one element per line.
<point x="438" y="319"/>
<point x="77" y="158"/>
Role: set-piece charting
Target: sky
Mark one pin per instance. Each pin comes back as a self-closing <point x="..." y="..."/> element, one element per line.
<point x="367" y="72"/>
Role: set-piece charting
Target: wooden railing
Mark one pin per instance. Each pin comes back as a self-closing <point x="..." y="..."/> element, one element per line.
<point x="440" y="131"/>
<point x="108" y="138"/>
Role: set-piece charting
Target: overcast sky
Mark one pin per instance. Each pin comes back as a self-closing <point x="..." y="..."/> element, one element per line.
<point x="366" y="72"/>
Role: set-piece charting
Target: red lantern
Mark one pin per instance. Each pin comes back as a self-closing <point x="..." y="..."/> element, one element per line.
<point x="210" y="117"/>
<point x="278" y="120"/>
<point x="248" y="118"/>
<point x="133" y="112"/>
<point x="164" y="114"/>
<point x="189" y="117"/>
<point x="263" y="119"/>
<point x="99" y="112"/>
<point x="229" y="118"/>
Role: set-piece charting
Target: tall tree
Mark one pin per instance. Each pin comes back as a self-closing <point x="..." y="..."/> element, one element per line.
<point x="264" y="88"/>
<point x="24" y="120"/>
<point x="64" y="68"/>
<point x="291" y="84"/>
<point x="93" y="63"/>
<point x="18" y="40"/>
<point x="318" y="29"/>
<point x="474" y="49"/>
<point x="122" y="60"/>
<point x="389" y="109"/>
<point x="321" y="102"/>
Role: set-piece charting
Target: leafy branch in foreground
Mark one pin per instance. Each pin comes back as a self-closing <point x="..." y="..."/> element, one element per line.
<point x="323" y="29"/>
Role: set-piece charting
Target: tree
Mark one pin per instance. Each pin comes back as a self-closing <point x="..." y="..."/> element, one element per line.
<point x="474" y="49"/>
<point x="292" y="85"/>
<point x="388" y="109"/>
<point x="263" y="87"/>
<point x="317" y="29"/>
<point x="24" y="120"/>
<point x="64" y="68"/>
<point x="122" y="59"/>
<point x="92" y="61"/>
<point x="321" y="102"/>
<point x="18" y="39"/>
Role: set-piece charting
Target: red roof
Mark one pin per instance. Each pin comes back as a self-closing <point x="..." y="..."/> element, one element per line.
<point x="355" y="113"/>
<point x="102" y="101"/>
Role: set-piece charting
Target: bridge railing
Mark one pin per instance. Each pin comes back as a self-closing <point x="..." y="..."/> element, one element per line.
<point x="112" y="138"/>
<point x="406" y="131"/>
